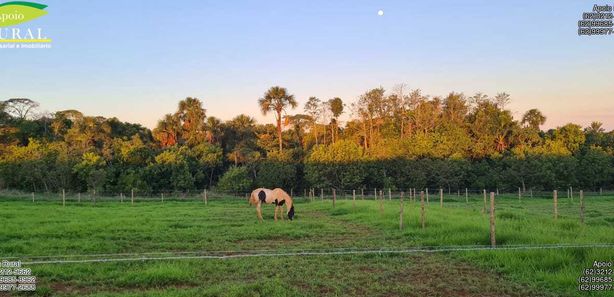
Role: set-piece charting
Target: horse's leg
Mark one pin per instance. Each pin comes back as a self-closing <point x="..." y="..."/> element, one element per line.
<point x="281" y="212"/>
<point x="276" y="213"/>
<point x="259" y="212"/>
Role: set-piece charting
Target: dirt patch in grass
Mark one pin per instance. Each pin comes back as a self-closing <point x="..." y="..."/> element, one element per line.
<point x="438" y="275"/>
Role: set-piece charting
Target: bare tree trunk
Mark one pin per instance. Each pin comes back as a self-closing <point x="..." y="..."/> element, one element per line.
<point x="364" y="126"/>
<point x="279" y="130"/>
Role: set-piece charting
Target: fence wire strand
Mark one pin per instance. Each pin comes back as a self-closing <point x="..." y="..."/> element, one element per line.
<point x="210" y="255"/>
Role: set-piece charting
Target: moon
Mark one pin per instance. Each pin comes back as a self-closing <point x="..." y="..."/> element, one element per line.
<point x="380" y="12"/>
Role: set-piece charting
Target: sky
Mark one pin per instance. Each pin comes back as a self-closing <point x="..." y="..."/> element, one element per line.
<point x="136" y="59"/>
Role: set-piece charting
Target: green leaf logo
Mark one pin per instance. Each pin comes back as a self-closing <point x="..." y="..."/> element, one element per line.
<point x="17" y="12"/>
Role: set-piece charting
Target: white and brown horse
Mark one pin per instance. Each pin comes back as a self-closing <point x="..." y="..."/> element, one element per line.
<point x="277" y="197"/>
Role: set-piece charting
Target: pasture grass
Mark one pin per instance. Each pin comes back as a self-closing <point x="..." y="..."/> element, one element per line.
<point x="45" y="228"/>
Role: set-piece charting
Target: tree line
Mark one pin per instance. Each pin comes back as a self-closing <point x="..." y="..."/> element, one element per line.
<point x="398" y="139"/>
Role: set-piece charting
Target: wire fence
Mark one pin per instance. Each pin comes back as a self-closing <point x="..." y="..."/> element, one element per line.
<point x="223" y="255"/>
<point x="312" y="194"/>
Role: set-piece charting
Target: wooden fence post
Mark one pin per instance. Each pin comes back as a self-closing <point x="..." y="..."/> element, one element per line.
<point x="422" y="214"/>
<point x="389" y="194"/>
<point x="362" y="194"/>
<point x="571" y="193"/>
<point x="63" y="198"/>
<point x="556" y="207"/>
<point x="600" y="191"/>
<point x="132" y="196"/>
<point x="493" y="241"/>
<point x="401" y="212"/>
<point x="381" y="202"/>
<point x="121" y="197"/>
<point x="581" y="207"/>
<point x="353" y="199"/>
<point x="206" y="197"/>
<point x="32" y="197"/>
<point x="484" y="208"/>
<point x="334" y="197"/>
<point x="321" y="194"/>
<point x="441" y="198"/>
<point x="519" y="194"/>
<point x="497" y="191"/>
<point x="531" y="193"/>
<point x="466" y="195"/>
<point x="162" y="196"/>
<point x="292" y="192"/>
<point x="79" y="197"/>
<point x="428" y="202"/>
<point x="375" y="194"/>
<point x="94" y="197"/>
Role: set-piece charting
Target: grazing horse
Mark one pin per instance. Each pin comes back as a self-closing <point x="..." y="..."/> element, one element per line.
<point x="277" y="196"/>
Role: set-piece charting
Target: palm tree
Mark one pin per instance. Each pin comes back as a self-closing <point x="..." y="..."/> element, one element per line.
<point x="534" y="118"/>
<point x="167" y="131"/>
<point x="595" y="127"/>
<point x="277" y="99"/>
<point x="214" y="130"/>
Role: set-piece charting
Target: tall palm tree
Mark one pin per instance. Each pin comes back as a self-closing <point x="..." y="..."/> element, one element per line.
<point x="533" y="118"/>
<point x="277" y="99"/>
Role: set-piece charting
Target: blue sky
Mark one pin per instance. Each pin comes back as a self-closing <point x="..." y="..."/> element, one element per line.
<point x="137" y="59"/>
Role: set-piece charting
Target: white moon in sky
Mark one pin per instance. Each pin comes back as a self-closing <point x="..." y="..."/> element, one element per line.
<point x="380" y="12"/>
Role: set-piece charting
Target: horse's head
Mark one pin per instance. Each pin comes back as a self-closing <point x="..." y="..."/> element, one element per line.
<point x="291" y="213"/>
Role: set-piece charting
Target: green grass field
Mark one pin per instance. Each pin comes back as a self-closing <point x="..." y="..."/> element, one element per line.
<point x="111" y="229"/>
